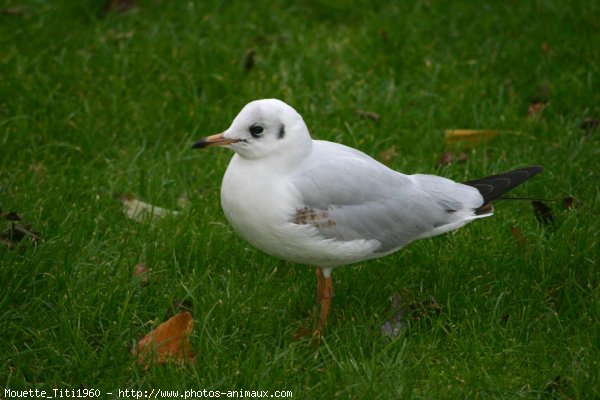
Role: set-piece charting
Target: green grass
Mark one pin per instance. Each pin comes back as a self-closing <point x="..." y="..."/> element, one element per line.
<point x="91" y="107"/>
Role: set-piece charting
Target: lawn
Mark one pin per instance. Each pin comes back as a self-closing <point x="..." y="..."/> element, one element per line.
<point x="94" y="107"/>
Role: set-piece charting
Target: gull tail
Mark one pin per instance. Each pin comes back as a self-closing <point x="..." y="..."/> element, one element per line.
<point x="494" y="186"/>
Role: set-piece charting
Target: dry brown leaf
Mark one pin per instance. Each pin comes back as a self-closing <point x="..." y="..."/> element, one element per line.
<point x="543" y="213"/>
<point x="141" y="272"/>
<point x="249" y="60"/>
<point x="589" y="125"/>
<point x="384" y="35"/>
<point x="470" y="135"/>
<point x="448" y="157"/>
<point x="38" y="170"/>
<point x="266" y="39"/>
<point x="183" y="201"/>
<point x="168" y="343"/>
<point x="519" y="238"/>
<point x="368" y="114"/>
<point x="445" y="158"/>
<point x="555" y="387"/>
<point x="546" y="48"/>
<point x="535" y="109"/>
<point x="10" y="216"/>
<point x="568" y="202"/>
<point x="538" y="102"/>
<point x="15" y="231"/>
<point x="388" y="155"/>
<point x="434" y="306"/>
<point x="15" y="10"/>
<point x="139" y="211"/>
<point x="516" y="232"/>
<point x="118" y="36"/>
<point x="120" y="6"/>
<point x="302" y="332"/>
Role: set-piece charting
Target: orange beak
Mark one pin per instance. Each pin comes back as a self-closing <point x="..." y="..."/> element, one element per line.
<point x="213" y="140"/>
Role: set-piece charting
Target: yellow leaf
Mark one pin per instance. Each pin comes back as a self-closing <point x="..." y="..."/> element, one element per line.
<point x="471" y="135"/>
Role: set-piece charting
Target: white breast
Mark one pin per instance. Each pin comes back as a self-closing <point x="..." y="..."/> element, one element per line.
<point x="256" y="203"/>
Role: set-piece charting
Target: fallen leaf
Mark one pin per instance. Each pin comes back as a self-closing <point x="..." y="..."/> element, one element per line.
<point x="249" y="60"/>
<point x="368" y="114"/>
<point x="516" y="232"/>
<point x="568" y="202"/>
<point x="120" y="6"/>
<point x="14" y="232"/>
<point x="589" y="125"/>
<point x="141" y="272"/>
<point x="552" y="295"/>
<point x="118" y="36"/>
<point x="425" y="308"/>
<point x="535" y="108"/>
<point x="554" y="385"/>
<point x="571" y="202"/>
<point x="538" y="102"/>
<point x="434" y="306"/>
<point x="37" y="169"/>
<point x="302" y="332"/>
<point x="139" y="211"/>
<point x="546" y="48"/>
<point x="388" y="155"/>
<point x="448" y="157"/>
<point x="168" y="343"/>
<point x="471" y="135"/>
<point x="183" y="201"/>
<point x="15" y="10"/>
<point x="384" y="35"/>
<point x="519" y="238"/>
<point x="542" y="212"/>
<point x="265" y="39"/>
<point x="10" y="216"/>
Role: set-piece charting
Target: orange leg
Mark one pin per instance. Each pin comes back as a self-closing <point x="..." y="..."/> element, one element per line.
<point x="324" y="295"/>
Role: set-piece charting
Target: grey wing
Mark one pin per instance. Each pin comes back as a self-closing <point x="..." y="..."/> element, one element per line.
<point x="349" y="198"/>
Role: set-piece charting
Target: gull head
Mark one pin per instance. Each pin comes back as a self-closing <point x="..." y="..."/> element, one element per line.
<point x="264" y="128"/>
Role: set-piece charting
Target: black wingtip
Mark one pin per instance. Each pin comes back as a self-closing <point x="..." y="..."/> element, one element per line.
<point x="533" y="170"/>
<point x="493" y="186"/>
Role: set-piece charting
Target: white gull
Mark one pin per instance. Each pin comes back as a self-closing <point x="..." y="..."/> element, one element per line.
<point x="325" y="204"/>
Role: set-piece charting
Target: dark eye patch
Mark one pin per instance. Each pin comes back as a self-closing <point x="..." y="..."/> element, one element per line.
<point x="256" y="130"/>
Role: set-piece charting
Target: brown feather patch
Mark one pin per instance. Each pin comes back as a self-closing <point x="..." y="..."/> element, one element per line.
<point x="316" y="218"/>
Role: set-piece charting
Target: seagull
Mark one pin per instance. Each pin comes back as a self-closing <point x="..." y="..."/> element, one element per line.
<point x="327" y="205"/>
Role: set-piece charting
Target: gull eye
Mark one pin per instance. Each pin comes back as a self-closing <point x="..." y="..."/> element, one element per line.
<point x="256" y="130"/>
